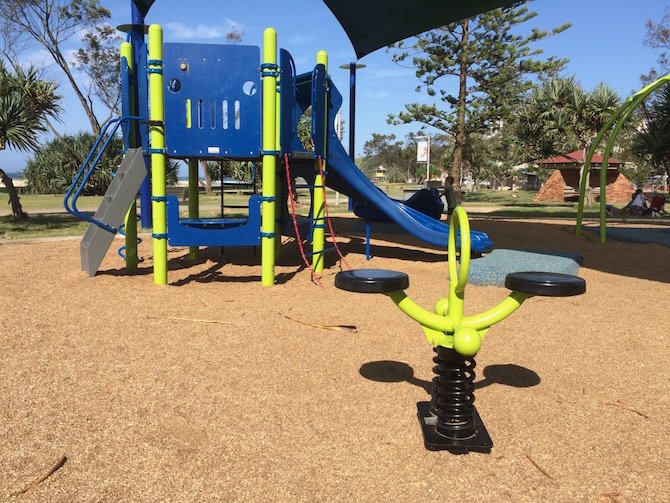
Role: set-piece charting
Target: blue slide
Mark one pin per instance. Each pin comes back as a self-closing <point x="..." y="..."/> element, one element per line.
<point x="345" y="177"/>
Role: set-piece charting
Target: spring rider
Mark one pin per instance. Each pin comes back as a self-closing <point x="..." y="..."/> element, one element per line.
<point x="450" y="421"/>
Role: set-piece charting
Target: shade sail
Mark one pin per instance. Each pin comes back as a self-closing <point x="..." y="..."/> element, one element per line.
<point x="144" y="5"/>
<point x="371" y="24"/>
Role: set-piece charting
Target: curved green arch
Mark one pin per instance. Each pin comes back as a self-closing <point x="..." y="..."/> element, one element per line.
<point x="619" y="117"/>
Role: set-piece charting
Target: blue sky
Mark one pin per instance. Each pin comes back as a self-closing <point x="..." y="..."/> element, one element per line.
<point x="604" y="45"/>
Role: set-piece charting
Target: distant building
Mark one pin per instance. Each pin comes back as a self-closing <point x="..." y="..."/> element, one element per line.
<point x="380" y="174"/>
<point x="563" y="183"/>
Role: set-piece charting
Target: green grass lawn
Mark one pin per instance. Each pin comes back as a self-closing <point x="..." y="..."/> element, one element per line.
<point x="46" y="217"/>
<point x="41" y="225"/>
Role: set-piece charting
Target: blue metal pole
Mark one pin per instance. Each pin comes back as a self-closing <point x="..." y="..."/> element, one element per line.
<point x="352" y="110"/>
<point x="352" y="119"/>
<point x="138" y="45"/>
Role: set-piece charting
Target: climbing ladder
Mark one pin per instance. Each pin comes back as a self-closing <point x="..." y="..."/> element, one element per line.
<point x="112" y="211"/>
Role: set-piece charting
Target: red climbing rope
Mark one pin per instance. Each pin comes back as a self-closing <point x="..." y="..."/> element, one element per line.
<point x="330" y="224"/>
<point x="315" y="278"/>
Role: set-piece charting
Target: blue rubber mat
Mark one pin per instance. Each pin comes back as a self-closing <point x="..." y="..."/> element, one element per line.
<point x="654" y="235"/>
<point x="492" y="269"/>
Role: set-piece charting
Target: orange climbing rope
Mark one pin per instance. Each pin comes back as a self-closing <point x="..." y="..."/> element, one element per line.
<point x="330" y="224"/>
<point x="298" y="238"/>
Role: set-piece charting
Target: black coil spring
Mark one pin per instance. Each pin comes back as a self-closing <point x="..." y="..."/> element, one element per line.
<point x="453" y="393"/>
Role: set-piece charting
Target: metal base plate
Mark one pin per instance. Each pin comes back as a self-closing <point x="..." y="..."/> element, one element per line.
<point x="434" y="441"/>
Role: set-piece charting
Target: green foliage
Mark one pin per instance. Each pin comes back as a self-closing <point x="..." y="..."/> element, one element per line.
<point x="99" y="60"/>
<point x="305" y="131"/>
<point x="52" y="23"/>
<point x="399" y="158"/>
<point x="53" y="168"/>
<point x="650" y="142"/>
<point x="240" y="170"/>
<point x="559" y="117"/>
<point x="26" y="101"/>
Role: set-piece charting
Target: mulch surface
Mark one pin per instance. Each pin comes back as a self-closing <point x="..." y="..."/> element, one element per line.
<point x="216" y="389"/>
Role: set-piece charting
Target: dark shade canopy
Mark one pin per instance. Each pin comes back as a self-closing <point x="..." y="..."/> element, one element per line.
<point x="372" y="24"/>
<point x="144" y="5"/>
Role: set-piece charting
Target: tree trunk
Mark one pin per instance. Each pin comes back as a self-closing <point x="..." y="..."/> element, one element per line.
<point x="14" y="199"/>
<point x="588" y="193"/>
<point x="208" y="177"/>
<point x="459" y="140"/>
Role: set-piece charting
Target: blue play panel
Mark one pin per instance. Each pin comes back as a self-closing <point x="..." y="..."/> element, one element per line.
<point x="495" y="266"/>
<point x="655" y="235"/>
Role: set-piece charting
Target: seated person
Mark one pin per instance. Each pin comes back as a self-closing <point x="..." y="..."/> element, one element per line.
<point x="638" y="205"/>
<point x="656" y="206"/>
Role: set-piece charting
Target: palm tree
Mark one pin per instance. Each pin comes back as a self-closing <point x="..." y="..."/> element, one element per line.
<point x="559" y="116"/>
<point x="651" y="140"/>
<point x="26" y="102"/>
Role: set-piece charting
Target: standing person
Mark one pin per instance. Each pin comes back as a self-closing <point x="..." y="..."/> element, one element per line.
<point x="450" y="195"/>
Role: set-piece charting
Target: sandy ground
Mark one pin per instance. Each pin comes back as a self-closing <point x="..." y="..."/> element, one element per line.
<point x="217" y="389"/>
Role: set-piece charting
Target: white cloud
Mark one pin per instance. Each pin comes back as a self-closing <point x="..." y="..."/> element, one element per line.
<point x="301" y="39"/>
<point x="181" y="31"/>
<point x="40" y="59"/>
<point x="379" y="95"/>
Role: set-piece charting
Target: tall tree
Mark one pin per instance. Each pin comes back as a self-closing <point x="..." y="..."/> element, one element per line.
<point x="658" y="37"/>
<point x="493" y="67"/>
<point x="26" y="101"/>
<point x="99" y="60"/>
<point x="651" y="140"/>
<point x="49" y="24"/>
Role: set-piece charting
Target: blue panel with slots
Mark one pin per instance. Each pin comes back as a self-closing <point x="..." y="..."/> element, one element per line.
<point x="212" y="101"/>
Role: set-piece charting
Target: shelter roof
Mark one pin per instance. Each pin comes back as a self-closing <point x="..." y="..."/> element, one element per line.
<point x="576" y="159"/>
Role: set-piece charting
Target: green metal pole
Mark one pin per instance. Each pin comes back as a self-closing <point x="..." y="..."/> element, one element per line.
<point x="269" y="157"/>
<point x="638" y="99"/>
<point x="458" y="279"/>
<point x="193" y="198"/>
<point x="157" y="116"/>
<point x="130" y="222"/>
<point x="319" y="234"/>
<point x="627" y="108"/>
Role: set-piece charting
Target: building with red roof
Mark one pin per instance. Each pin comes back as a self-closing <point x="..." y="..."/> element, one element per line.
<point x="563" y="183"/>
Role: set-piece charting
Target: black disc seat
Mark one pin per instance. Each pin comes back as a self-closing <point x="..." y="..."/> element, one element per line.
<point x="547" y="284"/>
<point x="371" y="281"/>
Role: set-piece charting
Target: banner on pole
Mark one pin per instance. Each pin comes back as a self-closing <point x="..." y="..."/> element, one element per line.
<point x="422" y="151"/>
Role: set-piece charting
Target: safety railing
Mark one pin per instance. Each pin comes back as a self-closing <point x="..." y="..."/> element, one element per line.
<point x="87" y="168"/>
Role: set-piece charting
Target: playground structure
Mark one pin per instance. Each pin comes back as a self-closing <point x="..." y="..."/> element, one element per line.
<point x="250" y="114"/>
<point x="450" y="421"/>
<point x="613" y="126"/>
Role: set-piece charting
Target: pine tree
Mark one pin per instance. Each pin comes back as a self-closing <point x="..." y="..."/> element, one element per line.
<point x="493" y="66"/>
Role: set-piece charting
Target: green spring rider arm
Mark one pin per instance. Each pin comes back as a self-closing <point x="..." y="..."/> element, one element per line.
<point x="450" y="421"/>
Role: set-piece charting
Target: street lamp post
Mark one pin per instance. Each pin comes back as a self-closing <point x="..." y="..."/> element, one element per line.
<point x="352" y="67"/>
<point x="352" y="112"/>
<point x="424" y="158"/>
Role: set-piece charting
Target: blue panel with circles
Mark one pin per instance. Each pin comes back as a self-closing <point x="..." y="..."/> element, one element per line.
<point x="212" y="101"/>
